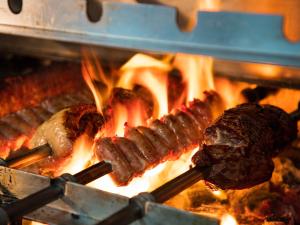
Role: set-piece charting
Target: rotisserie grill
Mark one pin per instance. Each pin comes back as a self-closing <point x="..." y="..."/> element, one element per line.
<point x="149" y="112"/>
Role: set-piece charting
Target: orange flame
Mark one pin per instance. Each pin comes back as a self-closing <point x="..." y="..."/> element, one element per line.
<point x="86" y="73"/>
<point x="148" y="182"/>
<point x="150" y="73"/>
<point x="228" y="219"/>
<point x="81" y="155"/>
<point x="197" y="73"/>
<point x="91" y="72"/>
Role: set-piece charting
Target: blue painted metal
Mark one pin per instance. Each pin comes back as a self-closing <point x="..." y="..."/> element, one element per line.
<point x="227" y="35"/>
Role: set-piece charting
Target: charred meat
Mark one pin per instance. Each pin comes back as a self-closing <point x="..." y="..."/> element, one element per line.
<point x="17" y="128"/>
<point x="145" y="147"/>
<point x="240" y="145"/>
<point x="61" y="131"/>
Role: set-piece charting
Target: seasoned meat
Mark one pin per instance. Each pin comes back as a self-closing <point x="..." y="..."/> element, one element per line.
<point x="240" y="145"/>
<point x="162" y="130"/>
<point x="164" y="139"/>
<point x="17" y="128"/>
<point x="136" y="160"/>
<point x="31" y="117"/>
<point x="132" y="101"/>
<point x="189" y="126"/>
<point x="143" y="144"/>
<point x="63" y="128"/>
<point x="157" y="142"/>
<point x="181" y="133"/>
<point x="24" y="91"/>
<point x="111" y="153"/>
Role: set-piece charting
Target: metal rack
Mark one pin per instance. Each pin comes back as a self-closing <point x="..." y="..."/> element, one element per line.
<point x="84" y="205"/>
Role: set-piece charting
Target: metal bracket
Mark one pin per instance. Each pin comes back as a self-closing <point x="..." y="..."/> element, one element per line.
<point x="236" y="36"/>
<point x="85" y="205"/>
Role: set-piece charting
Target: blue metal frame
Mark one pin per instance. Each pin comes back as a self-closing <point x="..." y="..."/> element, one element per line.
<point x="227" y="35"/>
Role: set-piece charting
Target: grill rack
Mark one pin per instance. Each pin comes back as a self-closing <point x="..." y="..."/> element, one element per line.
<point x="85" y="205"/>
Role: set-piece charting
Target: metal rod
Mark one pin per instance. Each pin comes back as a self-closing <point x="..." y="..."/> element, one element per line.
<point x="93" y="172"/>
<point x="177" y="185"/>
<point x="54" y="191"/>
<point x="33" y="202"/>
<point x="134" y="211"/>
<point x="30" y="156"/>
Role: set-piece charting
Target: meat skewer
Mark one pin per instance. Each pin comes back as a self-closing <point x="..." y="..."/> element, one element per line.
<point x="55" y="191"/>
<point x="145" y="147"/>
<point x="17" y="128"/>
<point x="60" y="132"/>
<point x="216" y="166"/>
<point x="135" y="209"/>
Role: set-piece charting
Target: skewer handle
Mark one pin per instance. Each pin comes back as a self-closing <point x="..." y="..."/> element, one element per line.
<point x="29" y="157"/>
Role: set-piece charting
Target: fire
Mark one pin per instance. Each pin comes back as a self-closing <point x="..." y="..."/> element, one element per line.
<point x="93" y="72"/>
<point x="228" y="219"/>
<point x="230" y="92"/>
<point x="286" y="99"/>
<point x="86" y="73"/>
<point x="150" y="73"/>
<point x="120" y="119"/>
<point x="197" y="73"/>
<point x="81" y="155"/>
<point x="148" y="182"/>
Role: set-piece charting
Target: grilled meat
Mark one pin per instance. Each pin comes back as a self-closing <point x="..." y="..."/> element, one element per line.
<point x="17" y="128"/>
<point x="19" y="92"/>
<point x="167" y="138"/>
<point x="240" y="145"/>
<point x="134" y="101"/>
<point x="61" y="131"/>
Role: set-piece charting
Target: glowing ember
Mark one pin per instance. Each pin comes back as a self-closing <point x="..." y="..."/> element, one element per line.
<point x="227" y="219"/>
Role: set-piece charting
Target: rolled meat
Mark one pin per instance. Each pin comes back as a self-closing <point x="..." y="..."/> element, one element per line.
<point x="168" y="138"/>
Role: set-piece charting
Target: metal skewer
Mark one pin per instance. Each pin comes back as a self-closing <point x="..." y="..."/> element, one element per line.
<point x="30" y="157"/>
<point x="53" y="192"/>
<point x="135" y="209"/>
